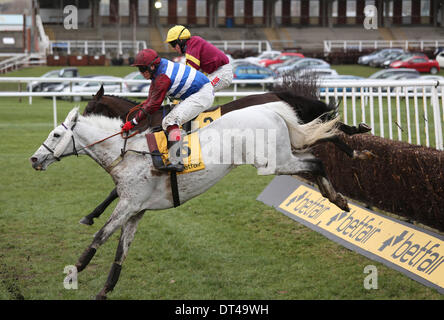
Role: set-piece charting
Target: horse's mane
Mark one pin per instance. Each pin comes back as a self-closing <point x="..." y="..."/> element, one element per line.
<point x="122" y="98"/>
<point x="303" y="95"/>
<point x="101" y="121"/>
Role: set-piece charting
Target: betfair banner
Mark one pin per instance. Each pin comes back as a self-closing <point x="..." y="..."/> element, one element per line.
<point x="417" y="253"/>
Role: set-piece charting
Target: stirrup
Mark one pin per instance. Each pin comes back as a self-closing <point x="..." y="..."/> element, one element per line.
<point x="160" y="165"/>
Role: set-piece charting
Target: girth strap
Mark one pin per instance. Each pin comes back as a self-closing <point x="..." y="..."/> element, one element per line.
<point x="174" y="189"/>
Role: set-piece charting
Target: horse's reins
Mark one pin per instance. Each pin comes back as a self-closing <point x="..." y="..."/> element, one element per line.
<point x="76" y="151"/>
<point x="123" y="150"/>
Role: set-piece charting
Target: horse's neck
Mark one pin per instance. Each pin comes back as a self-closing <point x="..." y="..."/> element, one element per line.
<point x="119" y="106"/>
<point x="105" y="152"/>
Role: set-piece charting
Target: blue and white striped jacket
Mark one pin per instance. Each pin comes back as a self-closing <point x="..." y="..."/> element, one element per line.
<point x="184" y="80"/>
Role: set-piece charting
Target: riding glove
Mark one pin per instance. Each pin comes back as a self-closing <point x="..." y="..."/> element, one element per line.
<point x="128" y="126"/>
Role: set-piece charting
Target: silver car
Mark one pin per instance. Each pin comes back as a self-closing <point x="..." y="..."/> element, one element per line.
<point x="386" y="73"/>
<point x="376" y="55"/>
<point x="303" y="64"/>
<point x="110" y="84"/>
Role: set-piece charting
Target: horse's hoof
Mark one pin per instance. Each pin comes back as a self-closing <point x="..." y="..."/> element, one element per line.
<point x="87" y="221"/>
<point x="341" y="202"/>
<point x="363" y="155"/>
<point x="101" y="295"/>
<point x="363" y="128"/>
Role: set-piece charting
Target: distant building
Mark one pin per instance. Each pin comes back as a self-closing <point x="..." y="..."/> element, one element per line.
<point x="231" y="13"/>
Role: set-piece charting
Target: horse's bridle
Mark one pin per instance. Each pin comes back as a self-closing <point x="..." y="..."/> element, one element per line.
<point x="74" y="150"/>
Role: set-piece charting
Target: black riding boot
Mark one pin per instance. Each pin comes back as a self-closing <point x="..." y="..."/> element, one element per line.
<point x="174" y="156"/>
<point x="175" y="161"/>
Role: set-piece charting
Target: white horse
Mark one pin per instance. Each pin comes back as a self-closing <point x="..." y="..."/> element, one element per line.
<point x="141" y="187"/>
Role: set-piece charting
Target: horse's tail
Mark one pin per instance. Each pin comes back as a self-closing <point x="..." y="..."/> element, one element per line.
<point x="304" y="135"/>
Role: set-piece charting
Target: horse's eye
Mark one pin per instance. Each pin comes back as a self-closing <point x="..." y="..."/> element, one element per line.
<point x="56" y="135"/>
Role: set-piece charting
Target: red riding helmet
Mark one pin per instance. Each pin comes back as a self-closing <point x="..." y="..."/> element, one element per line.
<point x="146" y="57"/>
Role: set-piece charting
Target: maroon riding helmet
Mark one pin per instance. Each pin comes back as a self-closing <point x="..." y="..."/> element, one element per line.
<point x="146" y="58"/>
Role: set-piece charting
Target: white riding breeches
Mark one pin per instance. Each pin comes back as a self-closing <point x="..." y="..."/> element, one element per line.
<point x="222" y="77"/>
<point x="191" y="107"/>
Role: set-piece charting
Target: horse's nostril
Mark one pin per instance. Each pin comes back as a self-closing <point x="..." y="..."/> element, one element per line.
<point x="33" y="159"/>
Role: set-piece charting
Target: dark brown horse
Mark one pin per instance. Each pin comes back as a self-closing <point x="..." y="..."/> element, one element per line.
<point x="118" y="107"/>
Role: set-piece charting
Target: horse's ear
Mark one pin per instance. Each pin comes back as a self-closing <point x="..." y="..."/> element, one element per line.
<point x="99" y="93"/>
<point x="72" y="116"/>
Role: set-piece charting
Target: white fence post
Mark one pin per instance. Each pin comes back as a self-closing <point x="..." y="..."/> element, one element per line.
<point x="437" y="119"/>
<point x="54" y="110"/>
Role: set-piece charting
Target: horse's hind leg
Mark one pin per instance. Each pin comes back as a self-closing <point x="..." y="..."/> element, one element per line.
<point x="126" y="237"/>
<point x="88" y="220"/>
<point x="289" y="164"/>
<point x="354" y="154"/>
<point x="351" y="130"/>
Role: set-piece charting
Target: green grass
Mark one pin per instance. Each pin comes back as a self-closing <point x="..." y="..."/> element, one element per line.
<point x="221" y="245"/>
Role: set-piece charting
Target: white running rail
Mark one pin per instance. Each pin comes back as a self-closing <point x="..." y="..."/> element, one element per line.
<point x="102" y="46"/>
<point x="345" y="45"/>
<point x="256" y="45"/>
<point x="407" y="110"/>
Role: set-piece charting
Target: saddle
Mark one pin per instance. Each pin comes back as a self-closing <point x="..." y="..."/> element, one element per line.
<point x="189" y="151"/>
<point x="192" y="157"/>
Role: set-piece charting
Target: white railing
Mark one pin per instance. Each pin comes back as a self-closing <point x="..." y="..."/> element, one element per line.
<point x="415" y="108"/>
<point x="256" y="45"/>
<point x="103" y="46"/>
<point x="409" y="110"/>
<point x="344" y="45"/>
<point x="18" y="60"/>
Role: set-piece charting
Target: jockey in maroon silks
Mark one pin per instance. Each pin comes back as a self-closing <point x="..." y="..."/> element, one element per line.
<point x="202" y="56"/>
<point x="176" y="81"/>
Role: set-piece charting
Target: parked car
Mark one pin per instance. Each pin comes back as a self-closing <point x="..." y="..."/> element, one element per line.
<point x="143" y="87"/>
<point x="440" y="59"/>
<point x="365" y="60"/>
<point x="110" y="84"/>
<point x="133" y="87"/>
<point x="432" y="77"/>
<point x="419" y="63"/>
<point x="379" y="62"/>
<point x="269" y="54"/>
<point x="280" y="58"/>
<point x="304" y="63"/>
<point x="317" y="73"/>
<point x="38" y="86"/>
<point x="404" y="76"/>
<point x="288" y="63"/>
<point x="388" y="62"/>
<point x="427" y="77"/>
<point x="238" y="62"/>
<point x="386" y="73"/>
<point x="243" y="72"/>
<point x="394" y="74"/>
<point x="341" y="77"/>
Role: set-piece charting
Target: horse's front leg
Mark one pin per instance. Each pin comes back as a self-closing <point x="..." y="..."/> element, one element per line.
<point x="324" y="184"/>
<point x="126" y="237"/>
<point x="88" y="220"/>
<point x="119" y="217"/>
